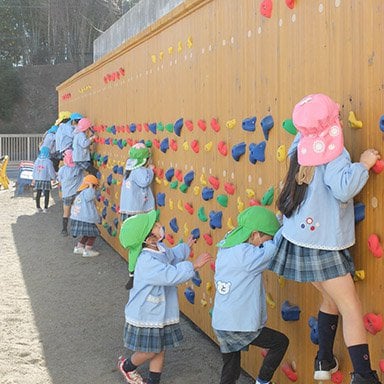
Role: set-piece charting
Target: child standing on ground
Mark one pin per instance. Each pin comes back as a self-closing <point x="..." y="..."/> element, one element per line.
<point x="62" y="121"/>
<point x="240" y="311"/>
<point x="152" y="312"/>
<point x="81" y="144"/>
<point x="319" y="227"/>
<point x="43" y="174"/>
<point x="136" y="194"/>
<point x="49" y="140"/>
<point x="70" y="177"/>
<point x="84" y="217"/>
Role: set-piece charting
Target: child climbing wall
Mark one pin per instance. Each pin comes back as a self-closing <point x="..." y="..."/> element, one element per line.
<point x="210" y="89"/>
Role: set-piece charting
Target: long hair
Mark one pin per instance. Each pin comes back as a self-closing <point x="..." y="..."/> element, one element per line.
<point x="292" y="194"/>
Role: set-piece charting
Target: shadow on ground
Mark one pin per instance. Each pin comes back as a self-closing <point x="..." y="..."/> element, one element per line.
<point x="78" y="306"/>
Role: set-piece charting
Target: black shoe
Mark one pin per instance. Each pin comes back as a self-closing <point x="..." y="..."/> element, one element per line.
<point x="129" y="284"/>
<point x="356" y="378"/>
<point x="64" y="233"/>
<point x="324" y="369"/>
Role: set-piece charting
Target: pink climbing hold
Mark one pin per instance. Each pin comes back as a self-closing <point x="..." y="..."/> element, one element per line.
<point x="374" y="245"/>
<point x="378" y="167"/>
<point x="373" y="323"/>
<point x="289" y="372"/>
<point x="290" y="3"/>
<point x="266" y="8"/>
<point x="337" y="377"/>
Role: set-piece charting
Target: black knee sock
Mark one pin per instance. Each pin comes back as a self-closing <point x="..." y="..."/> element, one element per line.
<point x="128" y="365"/>
<point x="327" y="326"/>
<point x="154" y="377"/>
<point x="38" y="196"/>
<point x="46" y="199"/>
<point x="65" y="223"/>
<point x="361" y="361"/>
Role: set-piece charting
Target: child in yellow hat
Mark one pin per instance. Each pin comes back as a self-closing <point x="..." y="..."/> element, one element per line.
<point x="84" y="217"/>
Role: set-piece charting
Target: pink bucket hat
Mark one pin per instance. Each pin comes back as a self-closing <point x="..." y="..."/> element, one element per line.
<point x="316" y="117"/>
<point x="83" y="125"/>
<point x="67" y="158"/>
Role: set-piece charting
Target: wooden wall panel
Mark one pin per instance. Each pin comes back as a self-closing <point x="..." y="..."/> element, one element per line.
<point x="223" y="59"/>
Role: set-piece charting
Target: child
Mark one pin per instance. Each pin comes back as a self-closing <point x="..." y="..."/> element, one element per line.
<point x="81" y="144"/>
<point x="136" y="195"/>
<point x="62" y="121"/>
<point x="70" y="177"/>
<point x="319" y="227"/>
<point x="239" y="313"/>
<point x="152" y="311"/>
<point x="43" y="173"/>
<point x="49" y="140"/>
<point x="84" y="217"/>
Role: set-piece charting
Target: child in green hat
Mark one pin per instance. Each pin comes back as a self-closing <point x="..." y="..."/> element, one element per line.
<point x="136" y="194"/>
<point x="152" y="311"/>
<point x="240" y="312"/>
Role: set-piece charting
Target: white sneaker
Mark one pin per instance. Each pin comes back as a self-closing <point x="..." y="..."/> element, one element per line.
<point x="38" y="210"/>
<point x="90" y="253"/>
<point x="45" y="210"/>
<point x="78" y="250"/>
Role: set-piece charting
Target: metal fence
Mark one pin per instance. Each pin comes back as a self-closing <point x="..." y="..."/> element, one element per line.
<point x="20" y="146"/>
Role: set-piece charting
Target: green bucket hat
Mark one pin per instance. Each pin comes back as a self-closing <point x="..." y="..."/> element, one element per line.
<point x="255" y="218"/>
<point x="138" y="155"/>
<point x="133" y="232"/>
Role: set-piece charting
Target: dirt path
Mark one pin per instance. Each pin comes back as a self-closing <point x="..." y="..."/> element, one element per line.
<point x="61" y="316"/>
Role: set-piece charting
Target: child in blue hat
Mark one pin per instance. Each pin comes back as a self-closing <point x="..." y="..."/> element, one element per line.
<point x="240" y="312"/>
<point x="43" y="174"/>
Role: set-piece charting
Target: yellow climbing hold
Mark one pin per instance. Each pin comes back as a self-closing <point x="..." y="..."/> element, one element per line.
<point x="250" y="192"/>
<point x="230" y="224"/>
<point x="196" y="190"/>
<point x="359" y="275"/>
<point x="186" y="229"/>
<point x="270" y="301"/>
<point x="353" y="122"/>
<point x="189" y="42"/>
<point x="154" y="59"/>
<point x="208" y="146"/>
<point x="240" y="204"/>
<point x="180" y="205"/>
<point x="281" y="153"/>
<point x="203" y="179"/>
<point x="230" y="123"/>
<point x="185" y="146"/>
<point x="171" y="204"/>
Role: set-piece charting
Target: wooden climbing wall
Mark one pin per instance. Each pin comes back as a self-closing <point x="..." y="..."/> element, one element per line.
<point x="190" y="85"/>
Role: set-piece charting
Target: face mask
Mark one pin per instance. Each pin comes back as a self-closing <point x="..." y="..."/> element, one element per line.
<point x="161" y="233"/>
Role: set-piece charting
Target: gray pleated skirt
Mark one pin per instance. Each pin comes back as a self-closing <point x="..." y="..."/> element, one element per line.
<point x="294" y="262"/>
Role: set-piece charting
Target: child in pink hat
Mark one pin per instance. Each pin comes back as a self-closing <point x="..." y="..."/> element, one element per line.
<point x="81" y="143"/>
<point x="319" y="227"/>
<point x="70" y="177"/>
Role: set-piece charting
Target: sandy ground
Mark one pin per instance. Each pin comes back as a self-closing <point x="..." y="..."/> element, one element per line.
<point x="61" y="316"/>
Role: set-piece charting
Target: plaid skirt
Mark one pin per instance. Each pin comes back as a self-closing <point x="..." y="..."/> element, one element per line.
<point x="306" y="264"/>
<point x="231" y="341"/>
<point x="152" y="339"/>
<point x="82" y="228"/>
<point x="44" y="185"/>
<point x="67" y="201"/>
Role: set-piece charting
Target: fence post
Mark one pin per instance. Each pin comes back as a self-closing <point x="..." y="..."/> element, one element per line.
<point x="28" y="148"/>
